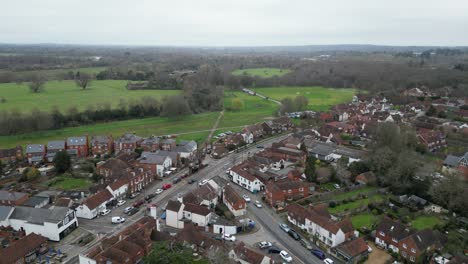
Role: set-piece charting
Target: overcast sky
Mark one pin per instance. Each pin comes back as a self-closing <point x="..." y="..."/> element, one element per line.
<point x="236" y="22"/>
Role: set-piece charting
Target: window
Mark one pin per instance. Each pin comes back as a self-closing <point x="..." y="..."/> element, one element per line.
<point x="404" y="245"/>
<point x="413" y="250"/>
<point x="403" y="253"/>
<point x="301" y="189"/>
<point x="289" y="191"/>
<point x="412" y="258"/>
<point x="382" y="233"/>
<point x="394" y="240"/>
<point x="329" y="234"/>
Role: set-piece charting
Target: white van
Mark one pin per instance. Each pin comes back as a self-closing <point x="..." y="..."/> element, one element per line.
<point x="118" y="220"/>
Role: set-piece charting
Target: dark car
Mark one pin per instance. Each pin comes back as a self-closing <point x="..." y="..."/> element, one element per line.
<point x="149" y="197"/>
<point x="132" y="211"/>
<point x="191" y="181"/>
<point x="138" y="203"/>
<point x="274" y="250"/>
<point x="176" y="180"/>
<point x="260" y="146"/>
<point x="318" y="253"/>
<point x="294" y="235"/>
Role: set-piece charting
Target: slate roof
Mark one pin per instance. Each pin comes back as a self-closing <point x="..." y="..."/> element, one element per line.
<point x="322" y="149"/>
<point x="76" y="141"/>
<point x="196" y="209"/>
<point x="451" y="161"/>
<point x="5" y="212"/>
<point x="56" y="145"/>
<point x="11" y="196"/>
<point x="39" y="215"/>
<point x="36" y="200"/>
<point x="186" y="146"/>
<point x="21" y="248"/>
<point x="34" y="148"/>
<point x="151" y="140"/>
<point x="152" y="158"/>
<point x="129" y="138"/>
<point x="173" y="206"/>
<point x="100" y="140"/>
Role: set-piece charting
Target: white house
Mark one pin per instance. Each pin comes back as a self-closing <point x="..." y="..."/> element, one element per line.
<point x="178" y="213"/>
<point x="242" y="177"/>
<point x="118" y="188"/>
<point x="94" y="205"/>
<point x="186" y="148"/>
<point x="53" y="223"/>
<point x="248" y="137"/>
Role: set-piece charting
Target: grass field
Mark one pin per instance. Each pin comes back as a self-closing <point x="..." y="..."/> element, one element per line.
<point x="69" y="183"/>
<point x="423" y="222"/>
<point x="261" y="72"/>
<point x="364" y="220"/>
<point x="65" y="94"/>
<point x="320" y="98"/>
<point x="364" y="190"/>
<point x="358" y="203"/>
<point x="57" y="74"/>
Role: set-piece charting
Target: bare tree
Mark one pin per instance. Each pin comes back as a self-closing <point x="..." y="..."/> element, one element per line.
<point x="36" y="83"/>
<point x="83" y="80"/>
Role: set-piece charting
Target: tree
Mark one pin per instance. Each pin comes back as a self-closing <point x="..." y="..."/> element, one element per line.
<point x="168" y="253"/>
<point x="62" y="161"/>
<point x="301" y="102"/>
<point x="431" y="111"/>
<point x="237" y="104"/>
<point x="451" y="193"/>
<point x="30" y="174"/>
<point x="36" y="83"/>
<point x="175" y="106"/>
<point x="309" y="171"/>
<point x="1" y="166"/>
<point x="83" y="80"/>
<point x="287" y="105"/>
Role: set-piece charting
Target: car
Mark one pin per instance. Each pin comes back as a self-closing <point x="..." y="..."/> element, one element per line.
<point x="336" y="186"/>
<point x="221" y="135"/>
<point x="274" y="250"/>
<point x="133" y="211"/>
<point x="258" y="204"/>
<point x="176" y="180"/>
<point x="293" y="234"/>
<point x="285" y="227"/>
<point x="203" y="182"/>
<point x="117" y="220"/>
<point x="158" y="191"/>
<point x="149" y="197"/>
<point x="246" y="198"/>
<point x="318" y="253"/>
<point x="260" y="146"/>
<point x="220" y="238"/>
<point x="328" y="261"/>
<point x="229" y="237"/>
<point x="138" y="203"/>
<point x="105" y="212"/>
<point x="191" y="181"/>
<point x="264" y="244"/>
<point x="133" y="195"/>
<point x="126" y="210"/>
<point x="166" y="186"/>
<point x="305" y="244"/>
<point x="121" y="202"/>
<point x="167" y="173"/>
<point x="285" y="256"/>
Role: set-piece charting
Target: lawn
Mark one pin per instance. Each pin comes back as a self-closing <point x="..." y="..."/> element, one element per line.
<point x="320" y="98"/>
<point x="356" y="192"/>
<point x="423" y="222"/>
<point x="198" y="124"/>
<point x="65" y="94"/>
<point x="262" y="72"/>
<point x="358" y="203"/>
<point x="69" y="183"/>
<point x="364" y="220"/>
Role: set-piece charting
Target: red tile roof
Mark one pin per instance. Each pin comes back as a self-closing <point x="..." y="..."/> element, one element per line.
<point x="21" y="248"/>
<point x="353" y="248"/>
<point x="232" y="197"/>
<point x="97" y="199"/>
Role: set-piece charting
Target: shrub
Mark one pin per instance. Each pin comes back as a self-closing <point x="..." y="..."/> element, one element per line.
<point x="332" y="204"/>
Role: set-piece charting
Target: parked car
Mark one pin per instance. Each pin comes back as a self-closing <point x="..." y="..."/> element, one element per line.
<point x="149" y="197"/>
<point x="318" y="253"/>
<point x="158" y="191"/>
<point x="117" y="220"/>
<point x="305" y="243"/>
<point x="258" y="204"/>
<point x="260" y="146"/>
<point x="121" y="202"/>
<point x="285" y="227"/>
<point x="337" y="186"/>
<point x="166" y="186"/>
<point x="128" y="209"/>
<point x="138" y="203"/>
<point x="132" y="211"/>
<point x="105" y="212"/>
<point x="274" y="250"/>
<point x="191" y="181"/>
<point x="285" y="256"/>
<point x="229" y="237"/>
<point x="167" y="173"/>
<point x="294" y="234"/>
<point x="328" y="261"/>
<point x="203" y="182"/>
<point x="176" y="180"/>
<point x="264" y="244"/>
<point x="246" y="198"/>
<point x="133" y="195"/>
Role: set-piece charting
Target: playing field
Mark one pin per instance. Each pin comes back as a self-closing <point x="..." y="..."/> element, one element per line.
<point x="320" y="98"/>
<point x="65" y="94"/>
<point x="262" y="72"/>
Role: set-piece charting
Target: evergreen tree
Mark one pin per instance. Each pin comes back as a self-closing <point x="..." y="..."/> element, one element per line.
<point x="309" y="171"/>
<point x="62" y="161"/>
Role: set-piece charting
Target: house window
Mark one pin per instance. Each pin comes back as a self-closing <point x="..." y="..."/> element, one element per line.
<point x="404" y="245"/>
<point x="382" y="233"/>
<point x="329" y="234"/>
<point x="403" y="253"/>
<point x="412" y="258"/>
<point x="394" y="240"/>
<point x="301" y="189"/>
<point x="289" y="191"/>
<point x="413" y="250"/>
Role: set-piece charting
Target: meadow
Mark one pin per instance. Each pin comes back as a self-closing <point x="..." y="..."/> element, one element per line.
<point x="261" y="72"/>
<point x="320" y="98"/>
<point x="65" y="94"/>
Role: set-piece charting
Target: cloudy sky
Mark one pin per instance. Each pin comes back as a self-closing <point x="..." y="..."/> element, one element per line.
<point x="235" y="22"/>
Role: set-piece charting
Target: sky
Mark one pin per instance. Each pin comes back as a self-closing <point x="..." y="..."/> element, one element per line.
<point x="236" y="22"/>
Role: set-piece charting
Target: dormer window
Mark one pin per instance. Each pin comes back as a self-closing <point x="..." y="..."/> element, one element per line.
<point x="394" y="240"/>
<point x="404" y="245"/>
<point x="382" y="233"/>
<point x="413" y="250"/>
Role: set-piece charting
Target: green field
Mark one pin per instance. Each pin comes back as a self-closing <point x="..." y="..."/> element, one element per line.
<point x="358" y="203"/>
<point x="69" y="183"/>
<point x="56" y="74"/>
<point x="364" y="220"/>
<point x="320" y="98"/>
<point x="65" y="94"/>
<point x="261" y="72"/>
<point x="423" y="222"/>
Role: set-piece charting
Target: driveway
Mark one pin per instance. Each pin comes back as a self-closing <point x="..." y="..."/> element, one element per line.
<point x="377" y="256"/>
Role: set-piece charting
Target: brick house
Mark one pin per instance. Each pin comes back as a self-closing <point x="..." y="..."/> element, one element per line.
<point x="102" y="145"/>
<point x="353" y="251"/>
<point x="112" y="169"/>
<point x="269" y="128"/>
<point x="432" y="139"/>
<point x="78" y="146"/>
<point x="24" y="250"/>
<point x="413" y="246"/>
<point x="11" y="155"/>
<point x="279" y="192"/>
<point x="235" y="139"/>
<point x="234" y="202"/>
<point x="138" y="179"/>
<point x="35" y="153"/>
<point x="252" y="133"/>
<point x="53" y="147"/>
<point x="154" y="162"/>
<point x="390" y="233"/>
<point x="283" y="153"/>
<point x="13" y="198"/>
<point x="150" y="143"/>
<point x="127" y="143"/>
<point x="168" y="144"/>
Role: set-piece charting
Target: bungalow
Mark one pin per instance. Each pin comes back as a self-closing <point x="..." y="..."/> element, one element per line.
<point x="94" y="205"/>
<point x="127" y="143"/>
<point x="279" y="192"/>
<point x="353" y="251"/>
<point x="424" y="241"/>
<point x="321" y="151"/>
<point x="234" y="201"/>
<point x="179" y="213"/>
<point x="53" y="147"/>
<point x="390" y="233"/>
<point x="102" y="145"/>
<point x="78" y="146"/>
<point x="244" y="255"/>
<point x="155" y="162"/>
<point x="11" y="155"/>
<point x="35" y="153"/>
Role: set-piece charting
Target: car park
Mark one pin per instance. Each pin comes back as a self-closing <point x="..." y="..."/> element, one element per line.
<point x="128" y="209"/>
<point x="285" y="256"/>
<point x="229" y="237"/>
<point x="264" y="244"/>
<point x="158" y="191"/>
<point x="121" y="202"/>
<point x="117" y="220"/>
<point x="285" y="227"/>
<point x="274" y="250"/>
<point x="318" y="253"/>
<point x="328" y="261"/>
<point x="203" y="182"/>
<point x="132" y="211"/>
<point x="166" y="186"/>
<point x="105" y="212"/>
<point x="258" y="204"/>
<point x="246" y="198"/>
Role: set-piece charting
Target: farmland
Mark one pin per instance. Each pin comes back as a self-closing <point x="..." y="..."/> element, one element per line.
<point x="65" y="94"/>
<point x="320" y="98"/>
<point x="261" y="72"/>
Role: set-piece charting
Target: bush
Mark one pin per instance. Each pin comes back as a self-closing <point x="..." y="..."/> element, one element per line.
<point x="332" y="204"/>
